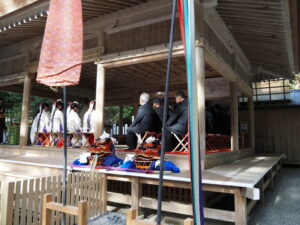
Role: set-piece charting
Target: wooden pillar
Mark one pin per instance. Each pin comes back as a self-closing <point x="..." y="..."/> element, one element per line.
<point x="200" y="73"/>
<point x="121" y="120"/>
<point x="240" y="203"/>
<point x="234" y="117"/>
<point x="135" y="194"/>
<point x="100" y="94"/>
<point x="251" y="121"/>
<point x="25" y="112"/>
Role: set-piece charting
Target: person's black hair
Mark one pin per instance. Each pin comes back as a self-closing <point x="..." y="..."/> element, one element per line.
<point x="59" y="104"/>
<point x="74" y="105"/>
<point x="45" y="104"/>
<point x="158" y="101"/>
<point x="180" y="94"/>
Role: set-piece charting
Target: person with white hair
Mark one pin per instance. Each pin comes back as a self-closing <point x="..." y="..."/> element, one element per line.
<point x="74" y="124"/>
<point x="144" y="121"/>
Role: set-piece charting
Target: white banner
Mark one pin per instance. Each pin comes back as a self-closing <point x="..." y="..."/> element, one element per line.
<point x="217" y="88"/>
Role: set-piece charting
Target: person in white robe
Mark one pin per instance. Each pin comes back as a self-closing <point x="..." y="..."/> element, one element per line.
<point x="41" y="123"/>
<point x="57" y="117"/>
<point x="57" y="122"/>
<point x="89" y="124"/>
<point x="74" y="125"/>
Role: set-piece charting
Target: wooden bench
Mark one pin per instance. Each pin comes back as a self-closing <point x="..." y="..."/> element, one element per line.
<point x="244" y="179"/>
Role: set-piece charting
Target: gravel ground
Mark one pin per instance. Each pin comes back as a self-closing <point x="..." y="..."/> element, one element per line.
<point x="281" y="205"/>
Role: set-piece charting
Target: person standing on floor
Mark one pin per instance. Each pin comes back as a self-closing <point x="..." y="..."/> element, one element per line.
<point x="144" y="121"/>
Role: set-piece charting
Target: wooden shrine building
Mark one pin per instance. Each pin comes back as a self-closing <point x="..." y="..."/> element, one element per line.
<point x="125" y="54"/>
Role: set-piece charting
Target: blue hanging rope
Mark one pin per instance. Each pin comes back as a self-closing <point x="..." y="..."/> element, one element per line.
<point x="189" y="26"/>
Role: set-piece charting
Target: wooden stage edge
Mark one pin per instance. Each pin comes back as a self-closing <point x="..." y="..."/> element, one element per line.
<point x="245" y="179"/>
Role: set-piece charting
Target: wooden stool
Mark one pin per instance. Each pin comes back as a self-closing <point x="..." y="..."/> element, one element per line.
<point x="183" y="143"/>
<point x="131" y="220"/>
<point x="80" y="211"/>
<point x="140" y="139"/>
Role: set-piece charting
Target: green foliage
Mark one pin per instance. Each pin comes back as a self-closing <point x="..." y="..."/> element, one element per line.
<point x="13" y="105"/>
<point x="112" y="114"/>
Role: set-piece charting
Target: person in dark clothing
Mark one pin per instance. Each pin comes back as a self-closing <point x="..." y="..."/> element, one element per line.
<point x="222" y="120"/>
<point x="2" y="122"/>
<point x="178" y="121"/>
<point x="145" y="120"/>
<point x="158" y="106"/>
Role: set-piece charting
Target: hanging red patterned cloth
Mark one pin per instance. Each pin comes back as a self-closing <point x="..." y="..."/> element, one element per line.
<point x="62" y="48"/>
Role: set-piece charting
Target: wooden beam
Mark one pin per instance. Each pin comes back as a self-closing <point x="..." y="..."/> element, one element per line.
<point x="240" y="205"/>
<point x="143" y="12"/>
<point x="25" y="112"/>
<point x="288" y="34"/>
<point x="251" y="121"/>
<point x="140" y="56"/>
<point x="252" y="193"/>
<point x="12" y="79"/>
<point x="215" y="21"/>
<point x="209" y="3"/>
<point x="200" y="74"/>
<point x="100" y="93"/>
<point x="234" y="117"/>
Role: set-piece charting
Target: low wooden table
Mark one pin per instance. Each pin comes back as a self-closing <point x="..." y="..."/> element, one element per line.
<point x="245" y="179"/>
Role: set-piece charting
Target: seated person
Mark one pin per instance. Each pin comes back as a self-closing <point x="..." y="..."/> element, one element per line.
<point x="178" y="121"/>
<point x="74" y="124"/>
<point x="143" y="121"/>
<point x="158" y="106"/>
<point x="40" y="124"/>
<point x="57" y="117"/>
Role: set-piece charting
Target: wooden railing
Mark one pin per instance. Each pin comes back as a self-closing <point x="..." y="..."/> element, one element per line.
<point x="21" y="201"/>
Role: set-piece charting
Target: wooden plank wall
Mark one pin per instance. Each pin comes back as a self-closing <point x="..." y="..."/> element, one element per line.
<point x="277" y="131"/>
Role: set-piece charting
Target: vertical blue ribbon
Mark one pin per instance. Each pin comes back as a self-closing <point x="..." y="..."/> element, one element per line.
<point x="196" y="177"/>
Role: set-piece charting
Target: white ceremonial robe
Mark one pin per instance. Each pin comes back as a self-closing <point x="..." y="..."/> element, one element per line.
<point x="41" y="124"/>
<point x="89" y="121"/>
<point x="57" y="121"/>
<point x="74" y="127"/>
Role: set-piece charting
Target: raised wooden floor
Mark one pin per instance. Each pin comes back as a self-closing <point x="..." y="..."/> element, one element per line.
<point x="244" y="179"/>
